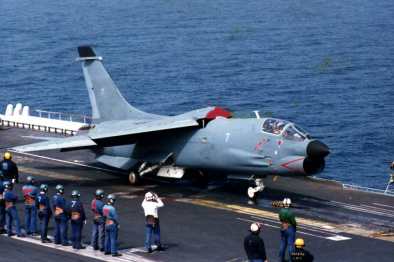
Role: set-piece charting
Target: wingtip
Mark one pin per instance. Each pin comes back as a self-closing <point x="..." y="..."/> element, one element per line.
<point x="86" y="51"/>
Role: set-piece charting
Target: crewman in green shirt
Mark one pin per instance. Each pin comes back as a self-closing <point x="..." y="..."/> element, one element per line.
<point x="288" y="229"/>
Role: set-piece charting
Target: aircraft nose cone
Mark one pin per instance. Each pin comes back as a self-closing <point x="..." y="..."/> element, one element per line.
<point x="317" y="149"/>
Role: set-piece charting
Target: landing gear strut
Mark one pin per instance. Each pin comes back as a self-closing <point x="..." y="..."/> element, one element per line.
<point x="253" y="191"/>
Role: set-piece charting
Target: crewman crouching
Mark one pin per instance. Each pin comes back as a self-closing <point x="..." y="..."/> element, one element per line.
<point x="300" y="254"/>
<point x="111" y="227"/>
<point x="98" y="227"/>
<point x="30" y="192"/>
<point x="151" y="204"/>
<point x="78" y="218"/>
<point x="10" y="199"/>
<point x="44" y="212"/>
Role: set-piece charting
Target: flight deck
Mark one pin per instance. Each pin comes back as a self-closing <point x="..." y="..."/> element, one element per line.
<point x="207" y="224"/>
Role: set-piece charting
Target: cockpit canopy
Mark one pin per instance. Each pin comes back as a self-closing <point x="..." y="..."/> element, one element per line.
<point x="285" y="128"/>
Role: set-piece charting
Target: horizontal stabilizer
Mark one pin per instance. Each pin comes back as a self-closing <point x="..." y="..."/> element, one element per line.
<point x="69" y="143"/>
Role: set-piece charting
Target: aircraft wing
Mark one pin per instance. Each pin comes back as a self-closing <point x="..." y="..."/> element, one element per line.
<point x="128" y="131"/>
<point x="69" y="143"/>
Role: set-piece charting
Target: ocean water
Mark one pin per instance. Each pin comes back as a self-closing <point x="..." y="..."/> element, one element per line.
<point x="326" y="65"/>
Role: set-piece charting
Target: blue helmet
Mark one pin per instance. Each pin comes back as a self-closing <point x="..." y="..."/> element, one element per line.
<point x="75" y="194"/>
<point x="44" y="188"/>
<point x="8" y="185"/>
<point x="111" y="199"/>
<point x="99" y="193"/>
<point x="60" y="189"/>
<point x="30" y="180"/>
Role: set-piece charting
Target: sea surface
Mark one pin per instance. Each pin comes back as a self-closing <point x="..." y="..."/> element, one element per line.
<point x="326" y="65"/>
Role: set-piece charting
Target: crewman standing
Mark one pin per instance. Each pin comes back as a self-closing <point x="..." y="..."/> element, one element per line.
<point x="300" y="254"/>
<point x="59" y="206"/>
<point x="78" y="218"/>
<point x="44" y="212"/>
<point x="2" y="205"/>
<point x="254" y="245"/>
<point x="288" y="229"/>
<point x="10" y="199"/>
<point x="111" y="227"/>
<point x="98" y="227"/>
<point x="151" y="204"/>
<point x="9" y="168"/>
<point x="30" y="192"/>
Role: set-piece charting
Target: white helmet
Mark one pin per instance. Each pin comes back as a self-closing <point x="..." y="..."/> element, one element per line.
<point x="149" y="196"/>
<point x="254" y="227"/>
<point x="286" y="202"/>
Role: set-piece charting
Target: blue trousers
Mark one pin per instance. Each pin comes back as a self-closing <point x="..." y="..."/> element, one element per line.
<point x="11" y="215"/>
<point x="287" y="241"/>
<point x="98" y="235"/>
<point x="44" y="221"/>
<point x="152" y="232"/>
<point x="61" y="231"/>
<point x="111" y="238"/>
<point x="76" y="234"/>
<point x="30" y="219"/>
<point x="2" y="216"/>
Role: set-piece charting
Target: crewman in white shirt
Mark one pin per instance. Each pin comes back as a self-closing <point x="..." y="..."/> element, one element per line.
<point x="151" y="204"/>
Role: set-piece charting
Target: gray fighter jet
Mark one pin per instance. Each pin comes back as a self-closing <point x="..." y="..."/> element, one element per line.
<point x="207" y="139"/>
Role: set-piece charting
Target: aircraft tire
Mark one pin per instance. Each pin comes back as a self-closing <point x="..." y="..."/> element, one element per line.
<point x="134" y="178"/>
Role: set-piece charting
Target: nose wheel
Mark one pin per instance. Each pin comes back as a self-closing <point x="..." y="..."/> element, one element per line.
<point x="134" y="178"/>
<point x="253" y="191"/>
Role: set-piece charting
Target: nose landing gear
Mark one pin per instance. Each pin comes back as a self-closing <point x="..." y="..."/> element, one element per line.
<point x="253" y="191"/>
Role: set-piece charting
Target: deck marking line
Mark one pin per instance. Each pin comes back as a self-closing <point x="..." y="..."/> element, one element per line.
<point x="88" y="252"/>
<point x="268" y="214"/>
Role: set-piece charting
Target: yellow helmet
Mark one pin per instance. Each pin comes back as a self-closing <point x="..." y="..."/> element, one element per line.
<point x="299" y="242"/>
<point x="7" y="156"/>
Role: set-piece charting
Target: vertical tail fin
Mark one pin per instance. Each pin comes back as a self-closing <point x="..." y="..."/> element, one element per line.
<point x="106" y="100"/>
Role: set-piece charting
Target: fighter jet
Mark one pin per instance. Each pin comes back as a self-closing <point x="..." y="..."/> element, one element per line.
<point x="208" y="140"/>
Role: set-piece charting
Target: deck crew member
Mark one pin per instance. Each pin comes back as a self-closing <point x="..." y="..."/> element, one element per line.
<point x="44" y="212"/>
<point x="2" y="205"/>
<point x="30" y="192"/>
<point x="151" y="204"/>
<point x="98" y="227"/>
<point x="9" y="168"/>
<point x="78" y="218"/>
<point x="111" y="227"/>
<point x="10" y="199"/>
<point x="288" y="229"/>
<point x="59" y="206"/>
<point x="254" y="245"/>
<point x="300" y="254"/>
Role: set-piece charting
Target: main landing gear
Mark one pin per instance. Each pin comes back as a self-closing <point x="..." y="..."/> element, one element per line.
<point x="253" y="191"/>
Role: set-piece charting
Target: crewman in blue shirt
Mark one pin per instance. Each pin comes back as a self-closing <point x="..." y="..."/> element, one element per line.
<point x="98" y="227"/>
<point x="9" y="168"/>
<point x="30" y="192"/>
<point x="2" y="204"/>
<point x="111" y="227"/>
<point x="78" y="218"/>
<point x="11" y="212"/>
<point x="44" y="212"/>
<point x="59" y="206"/>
